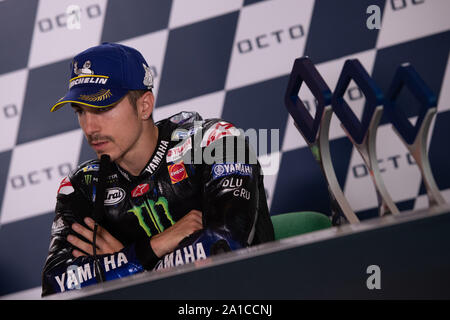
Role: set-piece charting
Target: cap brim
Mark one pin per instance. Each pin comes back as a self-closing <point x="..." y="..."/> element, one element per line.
<point x="94" y="97"/>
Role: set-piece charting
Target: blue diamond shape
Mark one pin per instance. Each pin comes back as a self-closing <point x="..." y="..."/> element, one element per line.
<point x="353" y="70"/>
<point x="305" y="71"/>
<point x="407" y="75"/>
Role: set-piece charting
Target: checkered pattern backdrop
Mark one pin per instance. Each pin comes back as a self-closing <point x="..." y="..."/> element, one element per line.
<point x="222" y="58"/>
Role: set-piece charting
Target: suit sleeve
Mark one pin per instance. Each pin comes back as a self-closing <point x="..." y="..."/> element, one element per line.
<point x="235" y="213"/>
<point x="63" y="272"/>
<point x="234" y="199"/>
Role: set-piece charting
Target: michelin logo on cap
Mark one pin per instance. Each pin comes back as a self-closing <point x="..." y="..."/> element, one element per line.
<point x="148" y="77"/>
<point x="85" y="70"/>
<point x="84" y="79"/>
<point x="103" y="74"/>
<point x="86" y="75"/>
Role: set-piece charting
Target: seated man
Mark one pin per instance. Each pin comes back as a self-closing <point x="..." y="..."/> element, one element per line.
<point x="161" y="203"/>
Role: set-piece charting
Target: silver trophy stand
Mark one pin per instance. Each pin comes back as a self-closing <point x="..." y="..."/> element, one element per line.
<point x="317" y="137"/>
<point x="418" y="150"/>
<point x="416" y="141"/>
<point x="363" y="133"/>
<point x="367" y="150"/>
<point x="320" y="149"/>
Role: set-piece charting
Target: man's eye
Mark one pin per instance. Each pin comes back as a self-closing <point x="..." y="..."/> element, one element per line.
<point x="78" y="111"/>
<point x="105" y="109"/>
<point x="102" y="110"/>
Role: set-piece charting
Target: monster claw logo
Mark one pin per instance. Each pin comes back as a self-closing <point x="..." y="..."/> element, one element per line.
<point x="88" y="179"/>
<point x="153" y="220"/>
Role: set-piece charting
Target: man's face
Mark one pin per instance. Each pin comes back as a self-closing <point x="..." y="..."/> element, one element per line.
<point x="113" y="130"/>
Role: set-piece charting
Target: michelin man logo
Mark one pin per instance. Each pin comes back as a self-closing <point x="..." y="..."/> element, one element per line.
<point x="85" y="70"/>
<point x="148" y="78"/>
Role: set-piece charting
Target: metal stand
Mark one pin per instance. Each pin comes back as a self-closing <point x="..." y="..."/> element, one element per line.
<point x="418" y="149"/>
<point x="316" y="131"/>
<point x="415" y="138"/>
<point x="367" y="150"/>
<point x="363" y="134"/>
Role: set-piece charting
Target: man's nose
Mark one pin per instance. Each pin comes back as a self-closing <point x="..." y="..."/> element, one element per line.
<point x="91" y="123"/>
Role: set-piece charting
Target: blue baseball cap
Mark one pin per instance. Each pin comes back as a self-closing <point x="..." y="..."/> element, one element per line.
<point x="102" y="75"/>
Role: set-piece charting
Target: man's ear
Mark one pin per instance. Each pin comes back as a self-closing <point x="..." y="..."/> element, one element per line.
<point x="145" y="104"/>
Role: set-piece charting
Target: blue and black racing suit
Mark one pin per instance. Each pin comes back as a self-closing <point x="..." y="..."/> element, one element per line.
<point x="189" y="169"/>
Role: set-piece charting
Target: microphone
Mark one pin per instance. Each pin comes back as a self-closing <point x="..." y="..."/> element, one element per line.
<point x="99" y="210"/>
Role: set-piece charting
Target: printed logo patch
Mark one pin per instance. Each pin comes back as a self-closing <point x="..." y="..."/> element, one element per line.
<point x="218" y="131"/>
<point x="221" y="170"/>
<point x="86" y="69"/>
<point x="114" y="196"/>
<point x="88" y="179"/>
<point x="157" y="157"/>
<point x="181" y="134"/>
<point x="178" y="151"/>
<point x="148" y="77"/>
<point x="92" y="167"/>
<point x="140" y="190"/>
<point x="94" y="79"/>
<point x="65" y="187"/>
<point x="177" y="172"/>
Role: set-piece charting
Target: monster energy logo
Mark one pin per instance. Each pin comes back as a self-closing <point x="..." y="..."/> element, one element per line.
<point x="88" y="179"/>
<point x="150" y="209"/>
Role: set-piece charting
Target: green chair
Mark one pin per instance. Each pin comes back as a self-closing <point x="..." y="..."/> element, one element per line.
<point x="295" y="223"/>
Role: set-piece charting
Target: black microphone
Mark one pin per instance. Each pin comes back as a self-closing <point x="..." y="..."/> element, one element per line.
<point x="99" y="209"/>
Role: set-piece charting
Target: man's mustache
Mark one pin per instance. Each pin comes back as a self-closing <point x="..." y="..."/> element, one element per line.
<point x="97" y="138"/>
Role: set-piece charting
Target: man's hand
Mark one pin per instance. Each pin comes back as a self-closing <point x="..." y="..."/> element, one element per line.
<point x="105" y="242"/>
<point x="166" y="241"/>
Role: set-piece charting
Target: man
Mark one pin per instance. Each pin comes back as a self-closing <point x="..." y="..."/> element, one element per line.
<point x="163" y="205"/>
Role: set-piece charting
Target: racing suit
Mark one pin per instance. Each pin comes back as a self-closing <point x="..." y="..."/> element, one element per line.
<point x="176" y="180"/>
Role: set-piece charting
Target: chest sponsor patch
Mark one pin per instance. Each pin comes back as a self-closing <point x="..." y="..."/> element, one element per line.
<point x="177" y="172"/>
<point x="178" y="151"/>
<point x="65" y="187"/>
<point x="226" y="169"/>
<point x="114" y="196"/>
<point x="140" y="190"/>
<point x="91" y="167"/>
<point x="181" y="134"/>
